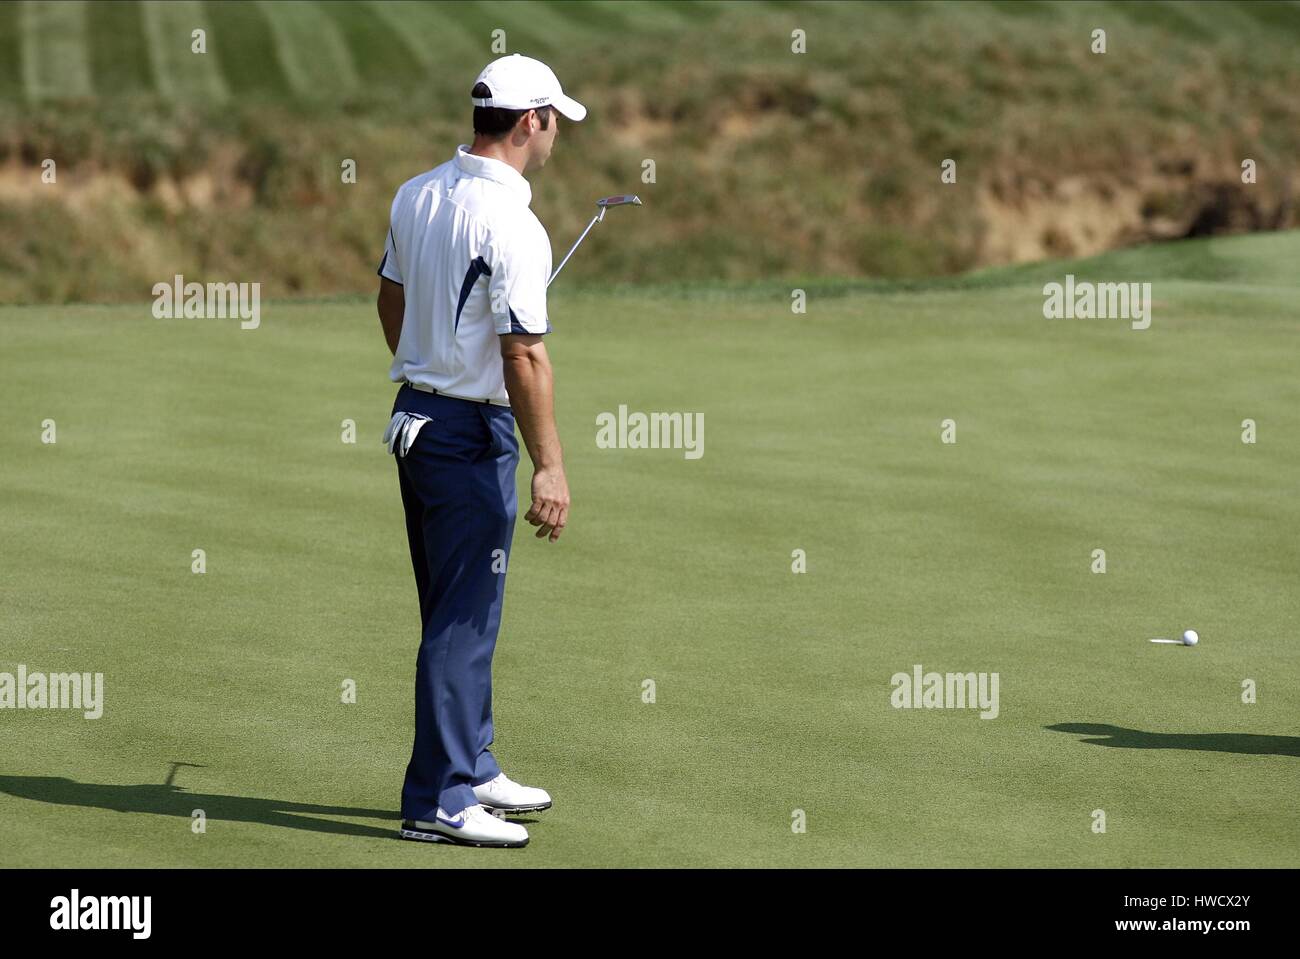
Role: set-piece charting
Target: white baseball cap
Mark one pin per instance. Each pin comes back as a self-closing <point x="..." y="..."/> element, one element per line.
<point x="522" y="83"/>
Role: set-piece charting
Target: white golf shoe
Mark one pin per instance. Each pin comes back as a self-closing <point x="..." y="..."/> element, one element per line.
<point x="472" y="826"/>
<point x="502" y="795"/>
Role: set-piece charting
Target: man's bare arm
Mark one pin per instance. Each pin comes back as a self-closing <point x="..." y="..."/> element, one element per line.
<point x="392" y="307"/>
<point x="530" y="383"/>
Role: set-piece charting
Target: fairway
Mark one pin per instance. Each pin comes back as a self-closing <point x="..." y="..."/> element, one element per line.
<point x="772" y="690"/>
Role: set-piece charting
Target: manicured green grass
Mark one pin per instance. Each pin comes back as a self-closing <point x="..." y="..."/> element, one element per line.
<point x="258" y="45"/>
<point x="11" y="77"/>
<point x="120" y="51"/>
<point x="773" y="689"/>
<point x="242" y="41"/>
<point x="374" y="47"/>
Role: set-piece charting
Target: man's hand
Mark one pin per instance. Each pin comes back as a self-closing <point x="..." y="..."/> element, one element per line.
<point x="550" y="509"/>
<point x="529" y="382"/>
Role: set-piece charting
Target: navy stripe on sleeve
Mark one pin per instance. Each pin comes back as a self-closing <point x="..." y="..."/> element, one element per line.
<point x="476" y="269"/>
<point x="517" y="327"/>
<point x="380" y="271"/>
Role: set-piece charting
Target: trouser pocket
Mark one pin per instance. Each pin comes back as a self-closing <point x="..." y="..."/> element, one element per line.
<point x="499" y="422"/>
<point x="403" y="429"/>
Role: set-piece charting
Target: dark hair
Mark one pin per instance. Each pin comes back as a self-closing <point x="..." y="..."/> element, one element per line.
<point x="495" y="122"/>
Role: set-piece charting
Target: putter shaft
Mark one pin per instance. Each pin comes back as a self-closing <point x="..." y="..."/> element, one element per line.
<point x="594" y="220"/>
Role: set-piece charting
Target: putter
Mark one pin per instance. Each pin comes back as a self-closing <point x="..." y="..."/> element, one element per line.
<point x="604" y="204"/>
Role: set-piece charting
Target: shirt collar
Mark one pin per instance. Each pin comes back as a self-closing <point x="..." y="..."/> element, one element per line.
<point x="495" y="170"/>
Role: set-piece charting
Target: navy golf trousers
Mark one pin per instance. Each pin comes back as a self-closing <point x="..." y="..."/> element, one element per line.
<point x="458" y="490"/>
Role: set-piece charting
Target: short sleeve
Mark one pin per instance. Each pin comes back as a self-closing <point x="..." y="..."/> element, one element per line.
<point x="388" y="265"/>
<point x="521" y="264"/>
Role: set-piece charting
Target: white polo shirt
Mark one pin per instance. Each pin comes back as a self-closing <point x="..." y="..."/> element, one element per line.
<point x="473" y="261"/>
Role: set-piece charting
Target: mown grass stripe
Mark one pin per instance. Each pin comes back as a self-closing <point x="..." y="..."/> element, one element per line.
<point x="478" y="20"/>
<point x="314" y="54"/>
<point x="380" y="56"/>
<point x="1219" y="20"/>
<point x="785" y="6"/>
<point x="180" y="73"/>
<point x="1166" y="18"/>
<point x="11" y="56"/>
<point x="595" y="16"/>
<point x="1273" y="16"/>
<point x="694" y="11"/>
<point x="1021" y="8"/>
<point x="56" y="56"/>
<point x="648" y="17"/>
<point x="431" y="34"/>
<point x="245" y="49"/>
<point x="119" y="52"/>
<point x="534" y="29"/>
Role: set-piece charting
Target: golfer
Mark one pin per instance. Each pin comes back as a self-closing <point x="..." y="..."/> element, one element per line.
<point x="462" y="301"/>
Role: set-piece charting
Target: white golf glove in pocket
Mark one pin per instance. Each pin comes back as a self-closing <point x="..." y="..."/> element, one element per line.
<point x="402" y="430"/>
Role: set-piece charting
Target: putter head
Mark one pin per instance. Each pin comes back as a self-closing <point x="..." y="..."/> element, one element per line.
<point x="603" y="204"/>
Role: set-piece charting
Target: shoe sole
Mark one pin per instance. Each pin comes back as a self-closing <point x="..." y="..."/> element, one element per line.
<point x="511" y="810"/>
<point x="421" y="835"/>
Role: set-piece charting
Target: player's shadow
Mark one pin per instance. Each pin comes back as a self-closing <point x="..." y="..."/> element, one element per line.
<point x="1250" y="744"/>
<point x="169" y="800"/>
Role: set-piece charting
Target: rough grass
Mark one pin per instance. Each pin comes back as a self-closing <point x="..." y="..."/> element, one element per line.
<point x="769" y="165"/>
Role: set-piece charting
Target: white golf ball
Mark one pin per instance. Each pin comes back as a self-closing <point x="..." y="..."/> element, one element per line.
<point x="1190" y="638"/>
